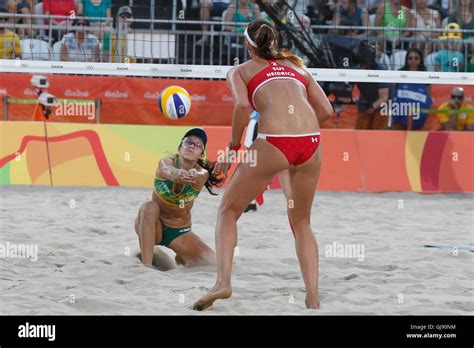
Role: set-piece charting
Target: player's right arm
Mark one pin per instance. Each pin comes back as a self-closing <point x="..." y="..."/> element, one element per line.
<point x="167" y="170"/>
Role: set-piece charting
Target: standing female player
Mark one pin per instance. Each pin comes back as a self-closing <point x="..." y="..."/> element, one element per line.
<point x="289" y="102"/>
<point x="166" y="219"/>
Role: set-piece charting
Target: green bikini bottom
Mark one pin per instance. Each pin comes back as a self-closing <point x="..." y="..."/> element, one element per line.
<point x="169" y="234"/>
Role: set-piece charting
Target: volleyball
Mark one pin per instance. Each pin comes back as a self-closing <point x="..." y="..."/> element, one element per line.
<point x="174" y="102"/>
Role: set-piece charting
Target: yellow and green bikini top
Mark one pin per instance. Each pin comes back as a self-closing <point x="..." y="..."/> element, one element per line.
<point x="165" y="190"/>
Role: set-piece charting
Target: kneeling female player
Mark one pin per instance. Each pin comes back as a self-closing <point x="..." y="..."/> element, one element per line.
<point x="166" y="219"/>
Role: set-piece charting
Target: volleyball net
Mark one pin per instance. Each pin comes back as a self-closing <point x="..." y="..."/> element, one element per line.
<point x="198" y="32"/>
<point x="127" y="93"/>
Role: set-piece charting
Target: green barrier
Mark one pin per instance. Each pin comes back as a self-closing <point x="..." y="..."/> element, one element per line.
<point x="97" y="103"/>
<point x="446" y="111"/>
<point x="82" y="101"/>
<point x="61" y="100"/>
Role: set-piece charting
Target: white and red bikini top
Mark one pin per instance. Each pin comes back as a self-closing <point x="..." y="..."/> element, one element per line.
<point x="273" y="71"/>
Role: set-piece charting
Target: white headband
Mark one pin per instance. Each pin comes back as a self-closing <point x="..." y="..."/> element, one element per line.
<point x="247" y="36"/>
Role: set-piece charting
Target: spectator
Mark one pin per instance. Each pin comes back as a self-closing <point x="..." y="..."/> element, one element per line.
<point x="394" y="18"/>
<point x="117" y="49"/>
<point x="412" y="94"/>
<point x="441" y="6"/>
<point x="80" y="46"/>
<point x="450" y="59"/>
<point x="369" y="5"/>
<point x="241" y="11"/>
<point x="372" y="94"/>
<point x="214" y="8"/>
<point x="414" y="60"/>
<point x="380" y="57"/>
<point x="424" y="18"/>
<point x="59" y="8"/>
<point x="457" y="120"/>
<point x="349" y="12"/>
<point x="24" y="7"/>
<point x="7" y="5"/>
<point x="347" y="32"/>
<point x="99" y="9"/>
<point x="407" y="3"/>
<point x="10" y="45"/>
<point x="463" y="14"/>
<point x="320" y="14"/>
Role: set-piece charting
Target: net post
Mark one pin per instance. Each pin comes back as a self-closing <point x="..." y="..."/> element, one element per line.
<point x="211" y="42"/>
<point x="98" y="109"/>
<point x="389" y="123"/>
<point x="5" y="108"/>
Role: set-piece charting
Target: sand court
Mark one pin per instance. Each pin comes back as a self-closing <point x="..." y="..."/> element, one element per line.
<point x="371" y="246"/>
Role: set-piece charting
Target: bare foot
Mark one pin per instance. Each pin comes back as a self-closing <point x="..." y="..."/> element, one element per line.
<point x="313" y="303"/>
<point x="208" y="299"/>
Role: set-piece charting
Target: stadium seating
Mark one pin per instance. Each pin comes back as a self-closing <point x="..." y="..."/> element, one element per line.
<point x="430" y="61"/>
<point x="56" y="52"/>
<point x="397" y="60"/>
<point x="33" y="49"/>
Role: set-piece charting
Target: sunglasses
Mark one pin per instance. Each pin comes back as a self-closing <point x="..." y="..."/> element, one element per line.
<point x="125" y="16"/>
<point x="197" y="144"/>
<point x="460" y="97"/>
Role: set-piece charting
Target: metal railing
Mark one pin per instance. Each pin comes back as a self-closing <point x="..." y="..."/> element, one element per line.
<point x="225" y="47"/>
